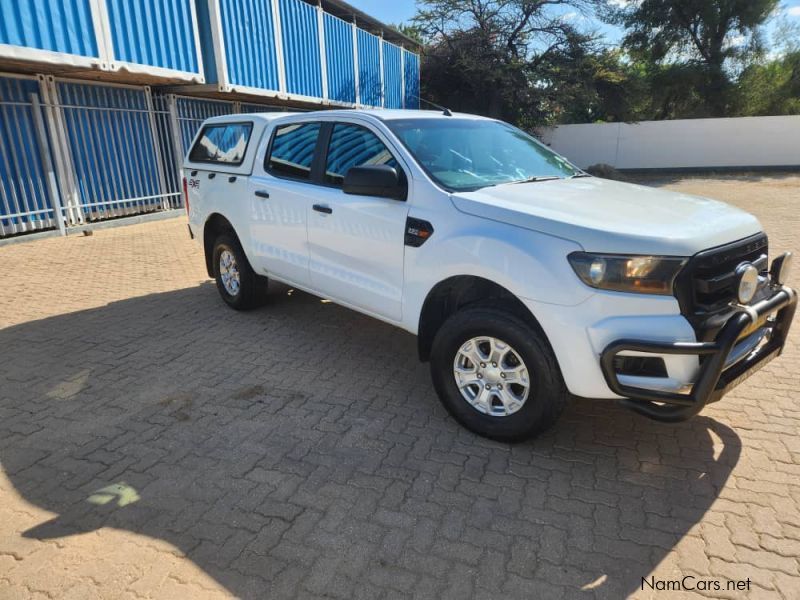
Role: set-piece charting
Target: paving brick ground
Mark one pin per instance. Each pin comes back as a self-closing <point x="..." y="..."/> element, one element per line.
<point x="154" y="444"/>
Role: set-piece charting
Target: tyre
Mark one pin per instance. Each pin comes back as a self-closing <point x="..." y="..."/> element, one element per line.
<point x="496" y="375"/>
<point x="240" y="287"/>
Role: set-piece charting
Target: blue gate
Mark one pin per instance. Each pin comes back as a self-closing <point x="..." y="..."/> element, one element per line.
<point x="112" y="147"/>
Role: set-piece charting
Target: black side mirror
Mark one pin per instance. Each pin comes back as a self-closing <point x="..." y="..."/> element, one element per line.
<point x="375" y="180"/>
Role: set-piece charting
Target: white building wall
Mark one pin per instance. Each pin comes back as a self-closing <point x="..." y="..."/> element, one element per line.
<point x="681" y="144"/>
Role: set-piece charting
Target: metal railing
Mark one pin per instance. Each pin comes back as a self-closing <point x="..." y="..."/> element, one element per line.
<point x="28" y="193"/>
<point x="74" y="152"/>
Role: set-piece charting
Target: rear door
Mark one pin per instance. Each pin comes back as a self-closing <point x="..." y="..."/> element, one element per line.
<point x="281" y="195"/>
<point x="356" y="242"/>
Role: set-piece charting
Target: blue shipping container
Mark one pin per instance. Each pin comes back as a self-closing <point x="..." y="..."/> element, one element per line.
<point x="301" y="55"/>
<point x="249" y="37"/>
<point x="369" y="68"/>
<point x="157" y="33"/>
<point x="63" y="26"/>
<point x="392" y="76"/>
<point x="339" y="59"/>
<point x="411" y="78"/>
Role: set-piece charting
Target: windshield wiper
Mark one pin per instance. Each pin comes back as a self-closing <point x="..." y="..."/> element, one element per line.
<point x="581" y="175"/>
<point x="535" y="179"/>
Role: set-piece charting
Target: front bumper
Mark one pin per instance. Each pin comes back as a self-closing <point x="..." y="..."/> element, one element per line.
<point x="721" y="368"/>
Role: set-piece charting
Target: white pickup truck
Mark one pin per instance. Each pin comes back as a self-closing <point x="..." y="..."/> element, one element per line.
<point x="523" y="278"/>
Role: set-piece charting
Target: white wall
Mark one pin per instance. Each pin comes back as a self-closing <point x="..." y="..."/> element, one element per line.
<point x="694" y="143"/>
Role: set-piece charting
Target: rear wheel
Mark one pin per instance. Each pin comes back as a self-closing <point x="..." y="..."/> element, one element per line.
<point x="497" y="375"/>
<point x="240" y="287"/>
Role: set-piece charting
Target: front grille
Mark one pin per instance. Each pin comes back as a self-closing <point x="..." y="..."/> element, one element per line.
<point x="707" y="284"/>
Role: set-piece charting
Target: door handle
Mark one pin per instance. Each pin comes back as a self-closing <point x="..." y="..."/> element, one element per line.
<point x="232" y="178"/>
<point x="322" y="208"/>
<point x="262" y="193"/>
<point x="212" y="175"/>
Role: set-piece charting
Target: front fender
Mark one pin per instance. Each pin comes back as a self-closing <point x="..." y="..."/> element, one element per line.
<point x="528" y="264"/>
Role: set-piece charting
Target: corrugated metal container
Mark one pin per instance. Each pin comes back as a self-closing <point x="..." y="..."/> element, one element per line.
<point x="63" y="32"/>
<point x="369" y="69"/>
<point x="301" y="44"/>
<point x="339" y="59"/>
<point x="392" y="76"/>
<point x="291" y="49"/>
<point x="243" y="34"/>
<point x="153" y="38"/>
<point x="156" y="37"/>
<point x="410" y="79"/>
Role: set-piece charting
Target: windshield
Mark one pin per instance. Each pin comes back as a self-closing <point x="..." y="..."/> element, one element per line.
<point x="468" y="154"/>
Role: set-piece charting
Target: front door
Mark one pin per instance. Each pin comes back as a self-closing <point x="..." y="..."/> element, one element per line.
<point x="356" y="242"/>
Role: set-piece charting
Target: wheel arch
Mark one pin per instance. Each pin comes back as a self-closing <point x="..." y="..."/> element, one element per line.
<point x="215" y="225"/>
<point x="457" y="292"/>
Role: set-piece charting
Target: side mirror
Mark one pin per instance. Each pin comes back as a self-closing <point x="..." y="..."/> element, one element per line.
<point x="375" y="180"/>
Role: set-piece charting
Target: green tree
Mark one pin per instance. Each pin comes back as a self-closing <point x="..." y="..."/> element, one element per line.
<point x="592" y="84"/>
<point x="771" y="88"/>
<point x="497" y="57"/>
<point x="703" y="36"/>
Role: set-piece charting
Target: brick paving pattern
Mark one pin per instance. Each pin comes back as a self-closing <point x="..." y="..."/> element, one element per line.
<point x="155" y="444"/>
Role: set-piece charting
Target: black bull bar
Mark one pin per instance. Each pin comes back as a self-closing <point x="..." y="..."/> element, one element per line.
<point x="713" y="380"/>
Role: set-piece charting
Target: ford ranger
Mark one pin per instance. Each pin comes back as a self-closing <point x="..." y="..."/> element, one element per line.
<point x="523" y="278"/>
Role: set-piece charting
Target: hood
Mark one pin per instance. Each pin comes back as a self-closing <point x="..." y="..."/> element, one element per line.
<point x="612" y="217"/>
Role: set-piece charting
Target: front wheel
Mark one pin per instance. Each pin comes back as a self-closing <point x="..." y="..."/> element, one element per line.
<point x="240" y="287"/>
<point x="497" y="375"/>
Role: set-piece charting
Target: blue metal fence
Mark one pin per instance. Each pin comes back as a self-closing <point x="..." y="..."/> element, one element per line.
<point x="26" y="201"/>
<point x="191" y="112"/>
<point x="113" y="151"/>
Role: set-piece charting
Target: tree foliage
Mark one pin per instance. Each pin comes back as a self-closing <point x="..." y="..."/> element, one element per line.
<point x="498" y="57"/>
<point x="529" y="62"/>
<point x="703" y="37"/>
<point x="771" y="88"/>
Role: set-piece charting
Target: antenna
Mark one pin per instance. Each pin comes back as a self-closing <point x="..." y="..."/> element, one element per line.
<point x="445" y="111"/>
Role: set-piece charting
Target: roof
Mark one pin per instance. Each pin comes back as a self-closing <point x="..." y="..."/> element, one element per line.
<point x="348" y="12"/>
<point x="379" y="113"/>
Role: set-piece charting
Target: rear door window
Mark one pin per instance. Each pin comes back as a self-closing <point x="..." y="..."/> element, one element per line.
<point x="292" y="150"/>
<point x="224" y="144"/>
<point x="354" y="146"/>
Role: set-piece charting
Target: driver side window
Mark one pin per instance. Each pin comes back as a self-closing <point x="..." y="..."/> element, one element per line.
<point x="354" y="146"/>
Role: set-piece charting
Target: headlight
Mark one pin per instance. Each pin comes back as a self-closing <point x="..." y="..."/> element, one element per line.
<point x="639" y="274"/>
<point x="748" y="283"/>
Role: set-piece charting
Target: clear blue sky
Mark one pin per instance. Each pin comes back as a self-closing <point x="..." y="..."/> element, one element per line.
<point x="399" y="11"/>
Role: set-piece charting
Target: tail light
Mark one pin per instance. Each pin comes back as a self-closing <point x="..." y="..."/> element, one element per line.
<point x="186" y="195"/>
